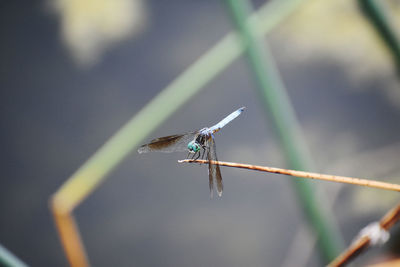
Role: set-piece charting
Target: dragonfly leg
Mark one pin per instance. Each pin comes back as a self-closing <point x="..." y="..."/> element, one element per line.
<point x="198" y="155"/>
<point x="191" y="157"/>
<point x="194" y="155"/>
<point x="204" y="152"/>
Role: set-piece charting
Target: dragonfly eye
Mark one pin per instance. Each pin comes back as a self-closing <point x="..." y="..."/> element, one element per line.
<point x="193" y="147"/>
<point x="196" y="147"/>
<point x="190" y="146"/>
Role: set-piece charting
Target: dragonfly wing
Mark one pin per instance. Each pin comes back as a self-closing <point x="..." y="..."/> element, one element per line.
<point x="214" y="172"/>
<point x="172" y="143"/>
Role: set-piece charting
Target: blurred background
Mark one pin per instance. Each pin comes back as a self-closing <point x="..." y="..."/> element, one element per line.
<point x="73" y="72"/>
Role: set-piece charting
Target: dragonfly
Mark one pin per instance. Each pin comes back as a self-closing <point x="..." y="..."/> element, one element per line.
<point x="198" y="143"/>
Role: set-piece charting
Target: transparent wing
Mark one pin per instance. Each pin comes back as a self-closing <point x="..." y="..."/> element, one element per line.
<point x="214" y="173"/>
<point x="227" y="120"/>
<point x="172" y="143"/>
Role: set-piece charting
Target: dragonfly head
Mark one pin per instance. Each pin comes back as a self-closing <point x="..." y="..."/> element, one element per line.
<point x="194" y="147"/>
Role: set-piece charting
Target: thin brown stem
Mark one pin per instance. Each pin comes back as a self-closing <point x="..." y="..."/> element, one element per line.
<point x="351" y="252"/>
<point x="69" y="234"/>
<point x="360" y="245"/>
<point x="302" y="174"/>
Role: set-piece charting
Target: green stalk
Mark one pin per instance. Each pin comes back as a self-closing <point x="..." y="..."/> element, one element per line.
<point x="375" y="12"/>
<point x="9" y="260"/>
<point x="276" y="102"/>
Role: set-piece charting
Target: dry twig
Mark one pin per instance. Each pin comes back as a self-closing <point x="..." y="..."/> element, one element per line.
<point x="364" y="241"/>
<point x="302" y="174"/>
